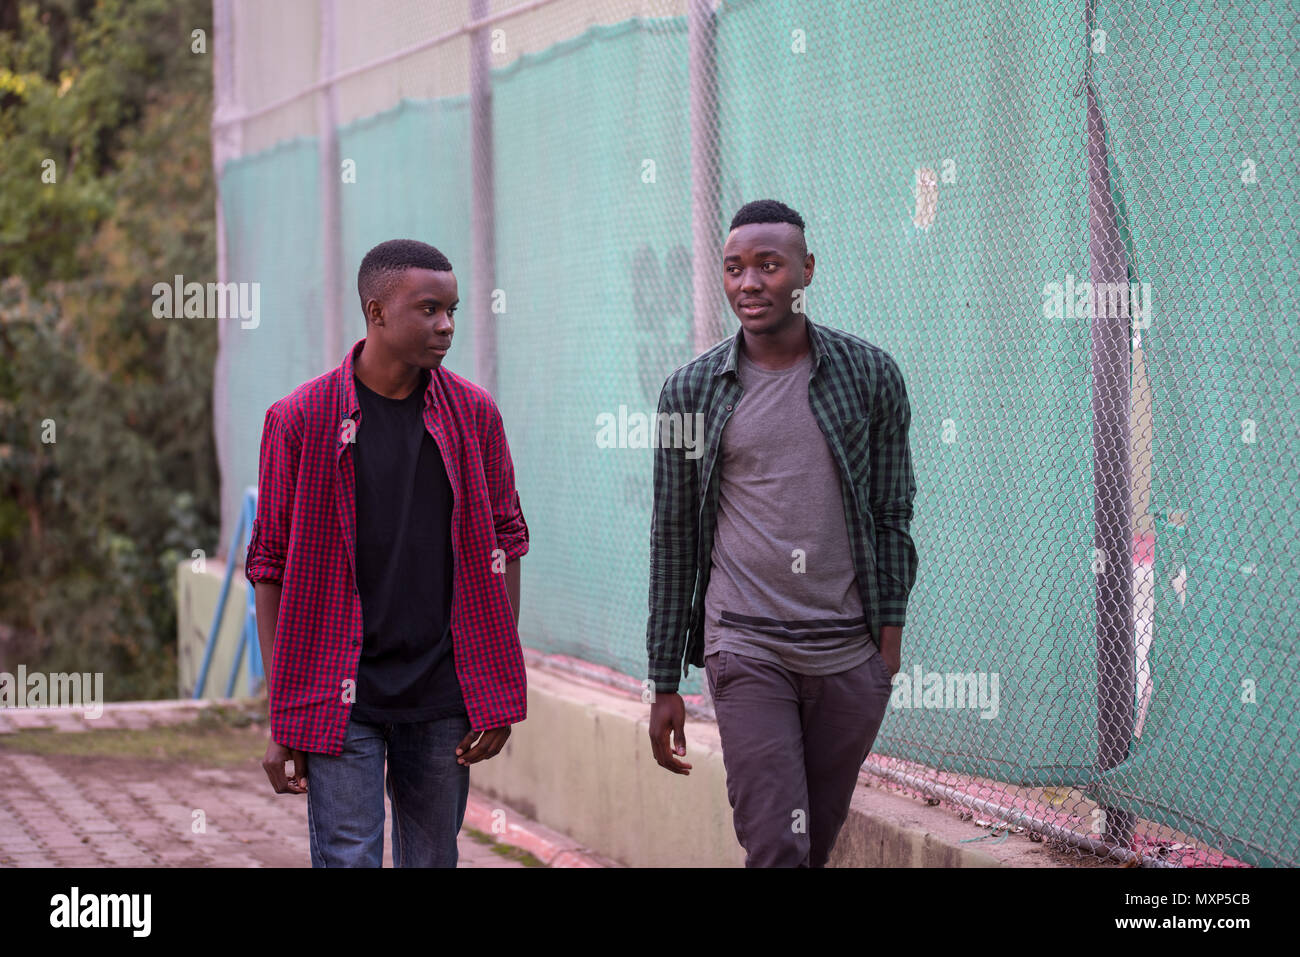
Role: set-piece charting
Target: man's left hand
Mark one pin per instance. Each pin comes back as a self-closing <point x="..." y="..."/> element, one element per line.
<point x="488" y="745"/>
<point x="891" y="647"/>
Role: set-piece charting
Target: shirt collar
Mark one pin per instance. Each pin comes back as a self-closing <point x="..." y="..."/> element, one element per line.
<point x="351" y="404"/>
<point x="727" y="361"/>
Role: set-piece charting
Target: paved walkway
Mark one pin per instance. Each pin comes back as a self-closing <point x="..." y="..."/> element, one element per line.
<point x="61" y="810"/>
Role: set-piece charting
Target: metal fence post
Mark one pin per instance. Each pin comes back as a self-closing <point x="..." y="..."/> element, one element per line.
<point x="483" y="200"/>
<point x="330" y="218"/>
<point x="702" y="28"/>
<point x="1112" y="489"/>
<point x="225" y="146"/>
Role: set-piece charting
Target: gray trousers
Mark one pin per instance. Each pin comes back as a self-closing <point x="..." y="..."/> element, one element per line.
<point x="792" y="745"/>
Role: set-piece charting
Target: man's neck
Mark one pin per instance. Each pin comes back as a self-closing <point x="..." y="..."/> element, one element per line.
<point x="777" y="350"/>
<point x="389" y="377"/>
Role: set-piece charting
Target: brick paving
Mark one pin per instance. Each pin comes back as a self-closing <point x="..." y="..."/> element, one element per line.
<point x="71" y="811"/>
<point x="63" y="811"/>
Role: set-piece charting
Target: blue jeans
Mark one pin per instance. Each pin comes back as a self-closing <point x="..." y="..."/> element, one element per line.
<point x="427" y="788"/>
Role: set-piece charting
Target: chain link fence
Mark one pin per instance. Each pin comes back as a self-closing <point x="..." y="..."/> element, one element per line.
<point x="1070" y="224"/>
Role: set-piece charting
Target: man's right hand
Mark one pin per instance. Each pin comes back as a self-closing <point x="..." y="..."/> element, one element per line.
<point x="668" y="717"/>
<point x="273" y="765"/>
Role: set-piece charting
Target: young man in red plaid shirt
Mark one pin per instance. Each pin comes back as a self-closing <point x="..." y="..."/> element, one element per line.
<point x="385" y="557"/>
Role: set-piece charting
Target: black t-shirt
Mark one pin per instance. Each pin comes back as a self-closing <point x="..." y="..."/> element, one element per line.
<point x="404" y="564"/>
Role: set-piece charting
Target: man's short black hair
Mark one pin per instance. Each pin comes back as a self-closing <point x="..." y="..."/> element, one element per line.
<point x="768" y="211"/>
<point x="386" y="262"/>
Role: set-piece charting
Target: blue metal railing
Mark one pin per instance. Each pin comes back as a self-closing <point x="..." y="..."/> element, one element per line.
<point x="248" y="634"/>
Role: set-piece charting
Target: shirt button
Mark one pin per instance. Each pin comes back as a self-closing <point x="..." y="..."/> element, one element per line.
<point x="728" y="408"/>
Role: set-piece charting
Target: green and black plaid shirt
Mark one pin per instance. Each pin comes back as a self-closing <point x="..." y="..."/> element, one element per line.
<point x="857" y="395"/>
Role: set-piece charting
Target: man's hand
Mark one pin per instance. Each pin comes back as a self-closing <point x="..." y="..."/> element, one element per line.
<point x="488" y="745"/>
<point x="273" y="765"/>
<point x="891" y="647"/>
<point x="668" y="716"/>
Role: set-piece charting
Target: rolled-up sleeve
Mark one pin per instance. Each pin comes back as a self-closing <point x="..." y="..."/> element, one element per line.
<point x="277" y="470"/>
<point x="499" y="470"/>
<point x="893" y="488"/>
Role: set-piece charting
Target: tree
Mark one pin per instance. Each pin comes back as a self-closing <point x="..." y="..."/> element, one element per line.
<point x="93" y="523"/>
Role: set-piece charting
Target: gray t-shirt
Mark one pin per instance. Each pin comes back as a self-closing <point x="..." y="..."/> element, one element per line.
<point x="782" y="586"/>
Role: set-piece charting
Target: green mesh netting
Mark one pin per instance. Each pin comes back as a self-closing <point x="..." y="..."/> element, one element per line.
<point x="1194" y="98"/>
<point x="981" y="105"/>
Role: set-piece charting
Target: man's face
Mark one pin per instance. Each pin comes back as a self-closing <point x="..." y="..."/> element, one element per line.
<point x="416" y="318"/>
<point x="763" y="264"/>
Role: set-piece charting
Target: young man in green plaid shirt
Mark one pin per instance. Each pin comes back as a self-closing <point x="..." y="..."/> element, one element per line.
<point x="781" y="558"/>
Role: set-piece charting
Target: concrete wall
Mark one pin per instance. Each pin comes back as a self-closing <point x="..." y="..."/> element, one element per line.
<point x="581" y="764"/>
<point x="196" y="601"/>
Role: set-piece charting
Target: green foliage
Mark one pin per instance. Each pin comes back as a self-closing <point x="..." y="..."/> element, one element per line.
<point x="93" y="524"/>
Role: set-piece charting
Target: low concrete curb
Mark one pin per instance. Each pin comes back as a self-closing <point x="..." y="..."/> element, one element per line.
<point x="116" y="715"/>
<point x="510" y="827"/>
<point x="581" y="763"/>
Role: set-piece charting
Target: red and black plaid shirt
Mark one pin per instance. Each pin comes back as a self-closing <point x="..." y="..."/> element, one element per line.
<point x="305" y="538"/>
